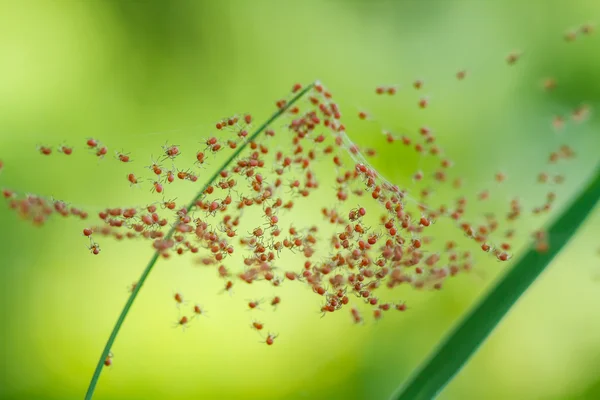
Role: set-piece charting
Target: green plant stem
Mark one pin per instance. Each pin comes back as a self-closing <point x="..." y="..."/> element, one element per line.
<point x="456" y="349"/>
<point x="152" y="262"/>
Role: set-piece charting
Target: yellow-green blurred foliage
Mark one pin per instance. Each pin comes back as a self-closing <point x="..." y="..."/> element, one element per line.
<point x="138" y="73"/>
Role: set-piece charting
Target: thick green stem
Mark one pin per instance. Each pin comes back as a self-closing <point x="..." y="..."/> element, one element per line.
<point x="152" y="262"/>
<point x="454" y="351"/>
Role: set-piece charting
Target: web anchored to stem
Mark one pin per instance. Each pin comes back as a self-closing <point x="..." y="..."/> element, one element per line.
<point x="152" y="262"/>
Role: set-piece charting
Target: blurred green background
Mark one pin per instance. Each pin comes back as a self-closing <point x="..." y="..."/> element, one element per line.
<point x="138" y="73"/>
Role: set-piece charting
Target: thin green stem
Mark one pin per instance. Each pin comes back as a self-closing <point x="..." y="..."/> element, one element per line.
<point x="152" y="262"/>
<point x="464" y="340"/>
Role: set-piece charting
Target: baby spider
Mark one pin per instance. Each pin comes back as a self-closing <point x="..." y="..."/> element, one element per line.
<point x="108" y="359"/>
<point x="45" y="150"/>
<point x="132" y="287"/>
<point x="270" y="338"/>
<point x="133" y="180"/>
<point x="171" y="151"/>
<point x="178" y="297"/>
<point x="66" y="150"/>
<point x="254" y="304"/>
<point x="275" y="301"/>
<point x="157" y="187"/>
<point x="198" y="311"/>
<point x="258" y="326"/>
<point x="94" y="247"/>
<point x="182" y="322"/>
<point x="122" y="157"/>
<point x="170" y="204"/>
<point x="156" y="168"/>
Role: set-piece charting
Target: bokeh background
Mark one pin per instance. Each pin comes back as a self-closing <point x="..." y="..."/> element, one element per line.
<point x="138" y="73"/>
